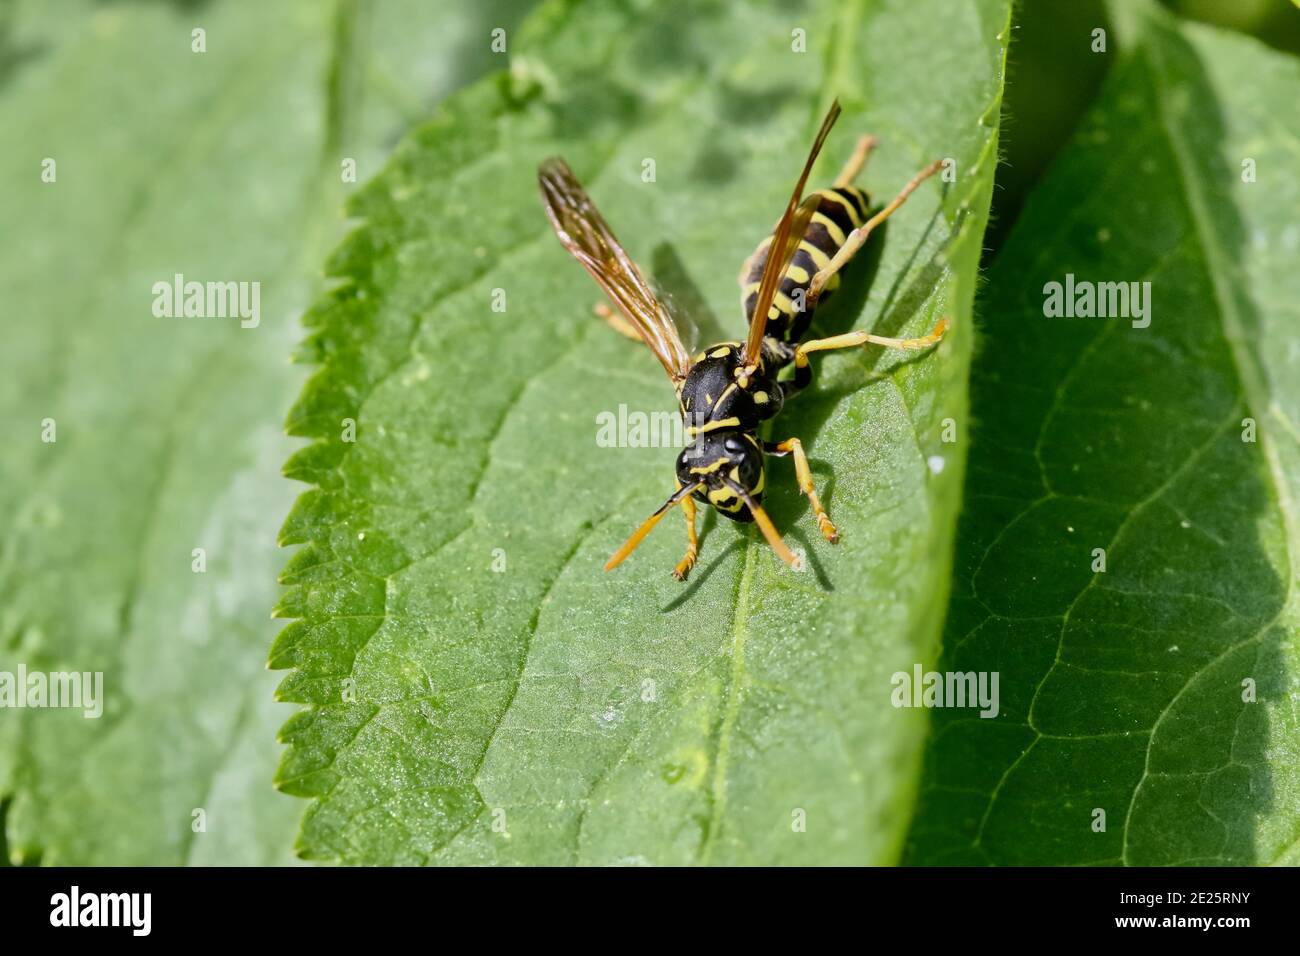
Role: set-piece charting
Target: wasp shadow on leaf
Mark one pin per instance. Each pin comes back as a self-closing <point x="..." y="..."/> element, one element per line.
<point x="708" y="530"/>
<point x="812" y="560"/>
<point x="698" y="324"/>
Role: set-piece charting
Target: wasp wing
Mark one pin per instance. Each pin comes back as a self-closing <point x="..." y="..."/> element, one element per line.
<point x="798" y="229"/>
<point x="585" y="233"/>
<point x="785" y="241"/>
<point x="687" y="330"/>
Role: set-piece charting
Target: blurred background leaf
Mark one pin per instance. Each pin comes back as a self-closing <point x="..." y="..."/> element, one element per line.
<point x="1053" y="74"/>
<point x="223" y="165"/>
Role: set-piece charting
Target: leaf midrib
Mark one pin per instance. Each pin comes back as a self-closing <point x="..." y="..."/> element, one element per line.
<point x="739" y="634"/>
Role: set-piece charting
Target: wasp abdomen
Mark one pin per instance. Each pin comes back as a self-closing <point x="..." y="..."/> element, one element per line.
<point x="840" y="211"/>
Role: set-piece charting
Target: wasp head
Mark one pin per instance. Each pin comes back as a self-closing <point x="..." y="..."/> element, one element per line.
<point x="726" y="462"/>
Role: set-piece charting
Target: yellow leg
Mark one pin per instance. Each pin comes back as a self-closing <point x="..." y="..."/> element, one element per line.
<point x="770" y="533"/>
<point x="858" y="236"/>
<point x="850" y="339"/>
<point x="692" y="543"/>
<point x="616" y="322"/>
<point x="630" y="545"/>
<point x="804" y="475"/>
<point x="853" y="168"/>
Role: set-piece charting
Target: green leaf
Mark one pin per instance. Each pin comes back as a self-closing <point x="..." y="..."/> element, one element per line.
<point x="551" y="713"/>
<point x="1127" y="691"/>
<point x="223" y="165"/>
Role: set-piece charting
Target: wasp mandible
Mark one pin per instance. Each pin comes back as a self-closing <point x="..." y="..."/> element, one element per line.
<point x="727" y="391"/>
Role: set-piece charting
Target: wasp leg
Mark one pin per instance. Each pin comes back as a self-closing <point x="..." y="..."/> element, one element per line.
<point x="616" y="322"/>
<point x="849" y="339"/>
<point x="804" y="475"/>
<point x="692" y="542"/>
<point x="802" y="377"/>
<point x="858" y="236"/>
<point x="853" y="168"/>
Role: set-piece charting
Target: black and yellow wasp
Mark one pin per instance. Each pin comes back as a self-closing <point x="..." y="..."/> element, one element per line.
<point x="725" y="392"/>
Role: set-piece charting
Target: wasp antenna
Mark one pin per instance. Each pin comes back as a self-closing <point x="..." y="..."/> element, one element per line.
<point x="647" y="526"/>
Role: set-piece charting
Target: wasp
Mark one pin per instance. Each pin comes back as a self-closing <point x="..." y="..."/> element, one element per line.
<point x="727" y="391"/>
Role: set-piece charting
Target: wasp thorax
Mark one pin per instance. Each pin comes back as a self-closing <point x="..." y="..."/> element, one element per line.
<point x="716" y="394"/>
